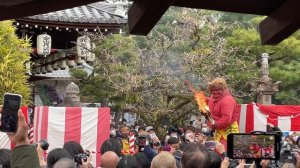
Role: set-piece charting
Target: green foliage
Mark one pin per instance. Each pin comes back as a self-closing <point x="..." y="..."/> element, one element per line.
<point x="14" y="53"/>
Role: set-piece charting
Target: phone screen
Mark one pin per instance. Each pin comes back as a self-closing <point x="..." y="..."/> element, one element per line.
<point x="252" y="146"/>
<point x="9" y="118"/>
<point x="210" y="145"/>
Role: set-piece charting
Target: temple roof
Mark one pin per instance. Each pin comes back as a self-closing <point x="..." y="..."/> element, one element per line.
<point x="100" y="12"/>
<point x="90" y="16"/>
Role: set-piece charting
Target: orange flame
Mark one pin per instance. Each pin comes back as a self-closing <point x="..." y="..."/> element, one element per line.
<point x="201" y="101"/>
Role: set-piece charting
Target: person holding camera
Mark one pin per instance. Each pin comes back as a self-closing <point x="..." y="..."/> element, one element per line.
<point x="23" y="155"/>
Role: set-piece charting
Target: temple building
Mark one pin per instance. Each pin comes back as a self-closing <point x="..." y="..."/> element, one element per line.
<point x="59" y="43"/>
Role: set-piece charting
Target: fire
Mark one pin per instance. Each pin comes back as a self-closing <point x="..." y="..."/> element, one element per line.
<point x="201" y="101"/>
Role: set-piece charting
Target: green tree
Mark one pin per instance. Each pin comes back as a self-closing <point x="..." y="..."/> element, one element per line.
<point x="283" y="60"/>
<point x="14" y="52"/>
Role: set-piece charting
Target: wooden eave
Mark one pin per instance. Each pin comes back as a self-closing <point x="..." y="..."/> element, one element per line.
<point x="11" y="9"/>
<point x="71" y="25"/>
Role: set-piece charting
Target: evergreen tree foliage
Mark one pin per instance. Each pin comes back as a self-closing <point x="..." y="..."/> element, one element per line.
<point x="14" y="52"/>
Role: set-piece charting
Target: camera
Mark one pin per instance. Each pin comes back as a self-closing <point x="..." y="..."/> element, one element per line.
<point x="142" y="141"/>
<point x="43" y="143"/>
<point x="82" y="156"/>
<point x="288" y="157"/>
<point x="253" y="146"/>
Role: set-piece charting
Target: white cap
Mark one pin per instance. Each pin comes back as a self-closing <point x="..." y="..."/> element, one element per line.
<point x="149" y="128"/>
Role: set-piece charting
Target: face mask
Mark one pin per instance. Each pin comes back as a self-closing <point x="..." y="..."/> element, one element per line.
<point x="204" y="129"/>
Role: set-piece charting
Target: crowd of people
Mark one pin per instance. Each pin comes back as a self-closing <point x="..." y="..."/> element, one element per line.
<point x="139" y="146"/>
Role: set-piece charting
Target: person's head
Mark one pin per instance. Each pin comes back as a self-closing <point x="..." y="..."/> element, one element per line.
<point x="173" y="142"/>
<point x="215" y="160"/>
<point x="143" y="160"/>
<point x="109" y="160"/>
<point x="163" y="160"/>
<point x="217" y="87"/>
<point x="198" y="159"/>
<point x="73" y="147"/>
<point x="141" y="129"/>
<point x="128" y="161"/>
<point x="111" y="145"/>
<point x="189" y="129"/>
<point x="192" y="147"/>
<point x="124" y="130"/>
<point x="5" y="158"/>
<point x="55" y="155"/>
<point x="150" y="130"/>
<point x="65" y="163"/>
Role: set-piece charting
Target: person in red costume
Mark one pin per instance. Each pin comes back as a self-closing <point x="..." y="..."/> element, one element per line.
<point x="223" y="109"/>
<point x="255" y="149"/>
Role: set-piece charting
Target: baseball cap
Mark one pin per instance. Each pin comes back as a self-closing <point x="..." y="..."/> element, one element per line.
<point x="149" y="128"/>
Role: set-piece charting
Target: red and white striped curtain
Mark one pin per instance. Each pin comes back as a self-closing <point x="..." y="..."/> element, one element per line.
<point x="256" y="117"/>
<point x="88" y="126"/>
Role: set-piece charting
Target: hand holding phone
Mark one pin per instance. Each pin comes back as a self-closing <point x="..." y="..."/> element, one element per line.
<point x="21" y="136"/>
<point x="10" y="109"/>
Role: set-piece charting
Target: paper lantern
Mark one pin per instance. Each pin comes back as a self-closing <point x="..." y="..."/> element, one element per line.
<point x="79" y="60"/>
<point x="83" y="46"/>
<point x="42" y="67"/>
<point x="49" y="66"/>
<point x="54" y="65"/>
<point x="91" y="58"/>
<point x="62" y="63"/>
<point x="71" y="62"/>
<point x="36" y="69"/>
<point x="43" y="44"/>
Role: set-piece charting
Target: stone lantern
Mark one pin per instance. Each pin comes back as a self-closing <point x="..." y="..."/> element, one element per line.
<point x="265" y="88"/>
<point x="72" y="97"/>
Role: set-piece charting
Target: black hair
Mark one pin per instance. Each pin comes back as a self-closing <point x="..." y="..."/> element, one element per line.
<point x="198" y="159"/>
<point x="5" y="158"/>
<point x="128" y="161"/>
<point x="73" y="147"/>
<point x="143" y="160"/>
<point x="173" y="140"/>
<point x="215" y="160"/>
<point x="192" y="147"/>
<point x="111" y="144"/>
<point x="141" y="128"/>
<point x="55" y="155"/>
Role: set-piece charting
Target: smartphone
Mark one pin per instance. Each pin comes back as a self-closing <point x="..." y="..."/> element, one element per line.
<point x="9" y="117"/>
<point x="210" y="145"/>
<point x="253" y="146"/>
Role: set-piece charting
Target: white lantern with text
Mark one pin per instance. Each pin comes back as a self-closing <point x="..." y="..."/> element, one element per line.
<point x="83" y="46"/>
<point x="43" y="45"/>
